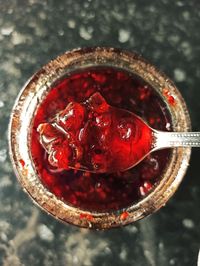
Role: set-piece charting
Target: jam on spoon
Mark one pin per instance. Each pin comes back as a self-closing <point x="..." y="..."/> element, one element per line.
<point x="96" y="137"/>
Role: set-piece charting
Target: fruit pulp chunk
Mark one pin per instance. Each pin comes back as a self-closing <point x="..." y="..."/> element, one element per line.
<point x="96" y="191"/>
<point x="95" y="136"/>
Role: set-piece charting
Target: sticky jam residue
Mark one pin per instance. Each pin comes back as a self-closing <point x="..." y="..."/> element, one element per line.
<point x="86" y="216"/>
<point x="22" y="163"/>
<point x="107" y="191"/>
<point x="170" y="98"/>
<point x="124" y="215"/>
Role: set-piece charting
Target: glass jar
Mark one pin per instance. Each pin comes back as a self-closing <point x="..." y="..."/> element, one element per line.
<point x="35" y="91"/>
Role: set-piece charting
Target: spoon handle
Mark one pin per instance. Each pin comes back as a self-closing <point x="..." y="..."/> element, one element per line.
<point x="175" y="139"/>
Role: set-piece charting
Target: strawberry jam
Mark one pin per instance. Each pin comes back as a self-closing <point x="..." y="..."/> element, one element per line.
<point x="94" y="136"/>
<point x="78" y="125"/>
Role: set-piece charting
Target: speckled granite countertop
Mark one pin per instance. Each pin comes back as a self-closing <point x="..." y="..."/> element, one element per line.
<point x="33" y="32"/>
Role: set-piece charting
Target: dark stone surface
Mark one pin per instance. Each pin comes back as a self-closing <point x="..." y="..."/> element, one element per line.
<point x="33" y="32"/>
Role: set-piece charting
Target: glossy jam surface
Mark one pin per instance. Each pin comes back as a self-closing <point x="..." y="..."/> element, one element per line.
<point x="99" y="191"/>
<point x="94" y="136"/>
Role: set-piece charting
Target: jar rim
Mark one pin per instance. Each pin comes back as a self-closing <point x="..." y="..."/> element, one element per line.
<point x="34" y="92"/>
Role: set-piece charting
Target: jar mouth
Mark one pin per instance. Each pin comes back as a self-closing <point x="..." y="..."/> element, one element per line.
<point x="36" y="89"/>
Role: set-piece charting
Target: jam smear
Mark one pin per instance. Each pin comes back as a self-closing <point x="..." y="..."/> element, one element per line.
<point x="73" y="96"/>
<point x="124" y="215"/>
<point x="86" y="216"/>
<point x="95" y="136"/>
<point x="22" y="163"/>
<point x="170" y="98"/>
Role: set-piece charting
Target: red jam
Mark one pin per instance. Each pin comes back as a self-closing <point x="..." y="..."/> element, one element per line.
<point x="95" y="136"/>
<point x="96" y="191"/>
<point x="170" y="98"/>
<point x="124" y="215"/>
<point x="86" y="216"/>
<point x="22" y="163"/>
